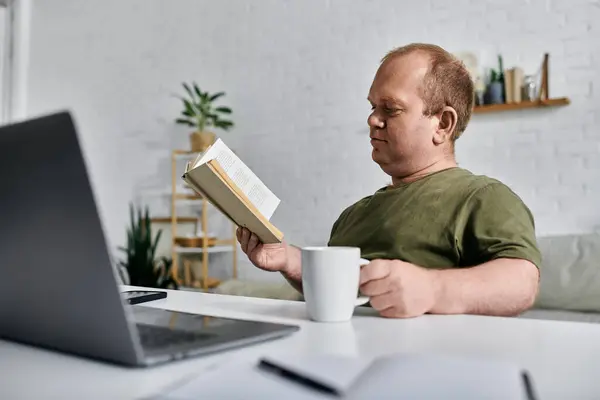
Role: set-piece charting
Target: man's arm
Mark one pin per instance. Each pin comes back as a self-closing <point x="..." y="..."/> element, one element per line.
<point x="503" y="287"/>
<point x="499" y="240"/>
<point x="496" y="236"/>
<point x="293" y="271"/>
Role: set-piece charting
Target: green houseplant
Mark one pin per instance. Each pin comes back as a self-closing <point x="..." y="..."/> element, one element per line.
<point x="200" y="113"/>
<point x="142" y="266"/>
<point x="495" y="88"/>
<point x="496" y="94"/>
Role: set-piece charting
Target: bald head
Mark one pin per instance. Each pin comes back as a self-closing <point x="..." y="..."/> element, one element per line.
<point x="447" y="81"/>
<point x="409" y="133"/>
<point x="407" y="71"/>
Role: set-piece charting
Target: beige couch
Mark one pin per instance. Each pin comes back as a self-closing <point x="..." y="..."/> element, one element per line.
<point x="569" y="286"/>
<point x="570" y="278"/>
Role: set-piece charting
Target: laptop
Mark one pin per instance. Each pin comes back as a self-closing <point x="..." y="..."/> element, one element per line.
<point x="58" y="287"/>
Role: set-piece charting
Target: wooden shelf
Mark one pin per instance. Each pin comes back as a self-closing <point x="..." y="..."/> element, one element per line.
<point x="185" y="153"/>
<point x="186" y="196"/>
<point x="211" y="283"/>
<point x="168" y="220"/>
<point x="200" y="250"/>
<point x="230" y="242"/>
<point x="179" y="253"/>
<point x="561" y="101"/>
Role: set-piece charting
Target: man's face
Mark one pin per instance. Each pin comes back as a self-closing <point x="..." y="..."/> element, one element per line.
<point x="401" y="137"/>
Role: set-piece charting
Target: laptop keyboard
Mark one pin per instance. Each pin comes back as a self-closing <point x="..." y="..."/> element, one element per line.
<point x="156" y="337"/>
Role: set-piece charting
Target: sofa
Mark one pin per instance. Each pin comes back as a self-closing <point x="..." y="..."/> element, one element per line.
<point x="569" y="283"/>
<point x="570" y="279"/>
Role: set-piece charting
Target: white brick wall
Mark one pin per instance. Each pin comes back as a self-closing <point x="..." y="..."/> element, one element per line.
<point x="297" y="74"/>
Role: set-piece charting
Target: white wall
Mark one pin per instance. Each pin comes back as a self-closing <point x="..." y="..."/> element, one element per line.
<point x="297" y="75"/>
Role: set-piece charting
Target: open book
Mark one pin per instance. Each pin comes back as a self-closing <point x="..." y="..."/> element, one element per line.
<point x="227" y="183"/>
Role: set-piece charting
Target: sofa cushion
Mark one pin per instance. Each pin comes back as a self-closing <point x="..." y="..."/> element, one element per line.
<point x="267" y="290"/>
<point x="570" y="273"/>
<point x="561" y="315"/>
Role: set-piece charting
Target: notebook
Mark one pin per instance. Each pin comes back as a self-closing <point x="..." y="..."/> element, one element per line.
<point x="395" y="376"/>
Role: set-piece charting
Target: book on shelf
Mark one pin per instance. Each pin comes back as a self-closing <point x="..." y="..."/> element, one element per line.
<point x="513" y="83"/>
<point x="227" y="183"/>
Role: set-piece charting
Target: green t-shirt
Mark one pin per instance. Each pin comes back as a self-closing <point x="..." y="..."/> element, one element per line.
<point x="451" y="218"/>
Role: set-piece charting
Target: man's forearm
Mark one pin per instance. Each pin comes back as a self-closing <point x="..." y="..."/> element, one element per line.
<point x="293" y="271"/>
<point x="503" y="287"/>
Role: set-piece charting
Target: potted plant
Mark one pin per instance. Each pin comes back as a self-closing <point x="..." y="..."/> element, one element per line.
<point x="141" y="264"/>
<point x="200" y="113"/>
<point x="496" y="93"/>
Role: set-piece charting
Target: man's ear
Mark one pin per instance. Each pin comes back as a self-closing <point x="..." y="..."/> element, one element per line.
<point x="446" y="124"/>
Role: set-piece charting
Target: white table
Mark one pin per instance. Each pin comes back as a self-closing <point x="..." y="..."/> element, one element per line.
<point x="563" y="357"/>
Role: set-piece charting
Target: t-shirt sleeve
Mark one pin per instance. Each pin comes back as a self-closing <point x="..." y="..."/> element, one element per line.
<point x="335" y="226"/>
<point x="498" y="224"/>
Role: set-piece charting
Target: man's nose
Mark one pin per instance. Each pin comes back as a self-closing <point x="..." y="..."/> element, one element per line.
<point x="375" y="121"/>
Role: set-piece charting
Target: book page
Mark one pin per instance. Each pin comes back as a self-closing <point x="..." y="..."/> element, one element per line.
<point x="257" y="192"/>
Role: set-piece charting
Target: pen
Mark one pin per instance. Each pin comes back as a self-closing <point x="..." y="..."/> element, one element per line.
<point x="295" y="377"/>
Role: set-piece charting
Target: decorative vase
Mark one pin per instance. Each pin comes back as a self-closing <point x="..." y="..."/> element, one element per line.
<point x="495" y="93"/>
<point x="200" y="141"/>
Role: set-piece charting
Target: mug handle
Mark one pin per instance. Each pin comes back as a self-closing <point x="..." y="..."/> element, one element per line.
<point x="361" y="300"/>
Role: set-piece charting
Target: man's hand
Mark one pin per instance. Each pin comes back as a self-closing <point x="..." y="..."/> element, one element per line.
<point x="279" y="257"/>
<point x="502" y="286"/>
<point x="269" y="257"/>
<point x="398" y="289"/>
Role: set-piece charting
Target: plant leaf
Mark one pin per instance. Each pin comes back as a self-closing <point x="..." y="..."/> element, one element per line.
<point x="225" y="110"/>
<point x="188" y="106"/>
<point x="141" y="249"/>
<point x="216" y="96"/>
<point x="184" y="122"/>
<point x="156" y="239"/>
<point x="187" y="89"/>
<point x="199" y="92"/>
<point x="224" y="124"/>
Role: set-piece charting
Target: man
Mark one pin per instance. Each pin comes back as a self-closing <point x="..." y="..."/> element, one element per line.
<point x="439" y="239"/>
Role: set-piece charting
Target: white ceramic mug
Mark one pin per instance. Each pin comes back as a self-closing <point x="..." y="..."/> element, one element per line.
<point x="330" y="280"/>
